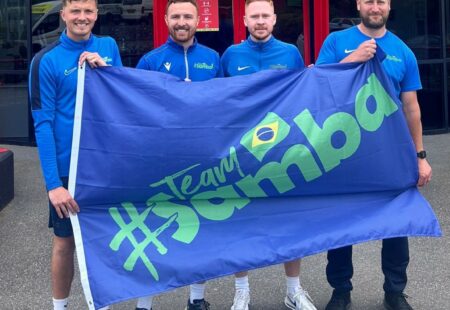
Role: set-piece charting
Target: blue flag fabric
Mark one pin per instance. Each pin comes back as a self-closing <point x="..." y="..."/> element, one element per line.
<point x="181" y="182"/>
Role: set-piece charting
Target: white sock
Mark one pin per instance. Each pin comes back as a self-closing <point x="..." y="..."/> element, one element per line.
<point x="145" y="302"/>
<point x="241" y="283"/>
<point x="292" y="285"/>
<point x="59" y="304"/>
<point x="197" y="291"/>
<point x="105" y="308"/>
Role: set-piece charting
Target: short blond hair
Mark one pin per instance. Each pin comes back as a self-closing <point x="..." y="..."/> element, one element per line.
<point x="247" y="2"/>
<point x="65" y="2"/>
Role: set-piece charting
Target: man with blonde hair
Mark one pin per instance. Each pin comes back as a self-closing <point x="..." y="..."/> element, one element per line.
<point x="53" y="85"/>
<point x="261" y="51"/>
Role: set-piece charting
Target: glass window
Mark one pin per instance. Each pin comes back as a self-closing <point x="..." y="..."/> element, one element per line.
<point x="447" y="27"/>
<point x="130" y="23"/>
<point x="431" y="97"/>
<point x="13" y="106"/>
<point x="448" y="96"/>
<point x="47" y="25"/>
<point x="111" y="10"/>
<point x="220" y="40"/>
<point x="289" y="26"/>
<point x="343" y="14"/>
<point x="13" y="36"/>
<point x="131" y="2"/>
<point x="13" y="57"/>
<point x="420" y="28"/>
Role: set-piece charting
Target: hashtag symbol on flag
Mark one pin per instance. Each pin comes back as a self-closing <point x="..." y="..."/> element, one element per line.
<point x="126" y="232"/>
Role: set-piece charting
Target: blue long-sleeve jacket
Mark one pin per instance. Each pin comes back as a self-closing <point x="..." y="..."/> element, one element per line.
<point x="52" y="91"/>
<point x="250" y="57"/>
<point x="197" y="63"/>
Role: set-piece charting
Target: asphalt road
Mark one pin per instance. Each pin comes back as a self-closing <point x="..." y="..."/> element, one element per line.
<point x="25" y="245"/>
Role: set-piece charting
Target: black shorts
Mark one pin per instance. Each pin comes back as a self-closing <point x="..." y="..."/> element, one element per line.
<point x="61" y="227"/>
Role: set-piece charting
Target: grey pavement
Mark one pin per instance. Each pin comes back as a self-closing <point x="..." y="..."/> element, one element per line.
<point x="25" y="247"/>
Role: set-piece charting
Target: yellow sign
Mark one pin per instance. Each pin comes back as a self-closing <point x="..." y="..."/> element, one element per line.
<point x="41" y="8"/>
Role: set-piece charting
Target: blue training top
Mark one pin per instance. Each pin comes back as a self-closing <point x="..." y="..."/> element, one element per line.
<point x="250" y="57"/>
<point x="52" y="91"/>
<point x="400" y="62"/>
<point x="197" y="63"/>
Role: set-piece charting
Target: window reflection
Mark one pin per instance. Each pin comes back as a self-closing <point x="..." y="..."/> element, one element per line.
<point x="431" y="97"/>
<point x="343" y="15"/>
<point x="13" y="57"/>
<point x="109" y="11"/>
<point x="13" y="106"/>
<point x="129" y="22"/>
<point x="289" y="26"/>
<point x="47" y="25"/>
<point x="220" y="40"/>
<point x="420" y="29"/>
<point x="447" y="32"/>
<point x="448" y="95"/>
<point x="13" y="36"/>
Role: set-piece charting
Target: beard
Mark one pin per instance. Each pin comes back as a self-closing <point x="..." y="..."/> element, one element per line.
<point x="371" y="24"/>
<point x="261" y="37"/>
<point x="185" y="36"/>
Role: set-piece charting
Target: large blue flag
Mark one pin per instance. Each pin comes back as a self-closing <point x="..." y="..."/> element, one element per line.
<point x="181" y="182"/>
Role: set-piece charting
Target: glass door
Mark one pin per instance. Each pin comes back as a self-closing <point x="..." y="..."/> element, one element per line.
<point x="289" y="27"/>
<point x="14" y="59"/>
<point x="221" y="39"/>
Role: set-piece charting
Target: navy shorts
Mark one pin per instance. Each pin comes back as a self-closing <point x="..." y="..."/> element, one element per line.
<point x="61" y="227"/>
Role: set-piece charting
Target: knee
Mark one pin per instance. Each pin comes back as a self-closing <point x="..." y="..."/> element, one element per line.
<point x="63" y="246"/>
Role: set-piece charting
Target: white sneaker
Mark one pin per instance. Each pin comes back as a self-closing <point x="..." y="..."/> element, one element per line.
<point x="241" y="300"/>
<point x="300" y="301"/>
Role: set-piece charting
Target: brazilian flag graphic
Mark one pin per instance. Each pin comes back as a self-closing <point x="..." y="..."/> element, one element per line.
<point x="267" y="134"/>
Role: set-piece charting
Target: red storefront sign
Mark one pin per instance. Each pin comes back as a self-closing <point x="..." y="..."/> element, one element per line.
<point x="208" y="15"/>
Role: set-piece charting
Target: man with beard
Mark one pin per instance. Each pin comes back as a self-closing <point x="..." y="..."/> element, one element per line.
<point x="261" y="51"/>
<point x="358" y="44"/>
<point x="53" y="86"/>
<point x="182" y="55"/>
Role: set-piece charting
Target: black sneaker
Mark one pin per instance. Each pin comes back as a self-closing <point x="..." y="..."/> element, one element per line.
<point x="396" y="301"/>
<point x="339" y="302"/>
<point x="142" y="308"/>
<point x="198" y="304"/>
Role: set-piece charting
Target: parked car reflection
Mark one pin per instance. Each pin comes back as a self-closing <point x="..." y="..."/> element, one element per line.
<point x="341" y="23"/>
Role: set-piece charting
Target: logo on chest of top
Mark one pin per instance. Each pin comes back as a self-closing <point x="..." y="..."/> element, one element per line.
<point x="239" y="68"/>
<point x="278" y="67"/>
<point x="203" y="65"/>
<point x="393" y="58"/>
<point x="167" y="65"/>
<point x="68" y="72"/>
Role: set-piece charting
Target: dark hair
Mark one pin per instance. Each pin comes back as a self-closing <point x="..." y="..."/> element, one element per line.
<point x="193" y="2"/>
<point x="65" y="2"/>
